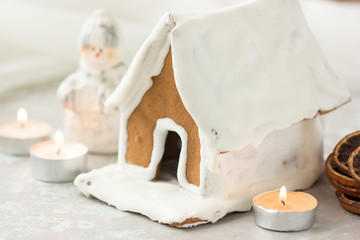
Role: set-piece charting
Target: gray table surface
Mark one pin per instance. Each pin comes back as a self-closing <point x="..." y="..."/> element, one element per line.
<point x="30" y="209"/>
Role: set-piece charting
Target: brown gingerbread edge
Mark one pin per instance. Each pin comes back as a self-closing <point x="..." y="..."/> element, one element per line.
<point x="347" y="203"/>
<point x="337" y="176"/>
<point x="188" y="221"/>
<point x="193" y="220"/>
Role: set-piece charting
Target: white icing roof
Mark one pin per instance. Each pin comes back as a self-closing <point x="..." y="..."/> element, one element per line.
<point x="242" y="72"/>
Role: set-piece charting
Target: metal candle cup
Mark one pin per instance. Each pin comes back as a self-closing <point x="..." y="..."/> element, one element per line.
<point x="17" y="137"/>
<point x="51" y="164"/>
<point x="296" y="213"/>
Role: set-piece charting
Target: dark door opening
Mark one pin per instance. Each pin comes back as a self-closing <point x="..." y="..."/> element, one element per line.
<point x="167" y="169"/>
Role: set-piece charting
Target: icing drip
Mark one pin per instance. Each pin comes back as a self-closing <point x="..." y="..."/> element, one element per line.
<point x="244" y="80"/>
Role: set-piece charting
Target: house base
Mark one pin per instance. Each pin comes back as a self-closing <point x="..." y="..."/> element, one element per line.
<point x="164" y="202"/>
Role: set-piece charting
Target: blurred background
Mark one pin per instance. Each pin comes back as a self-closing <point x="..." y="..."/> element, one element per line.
<point x="38" y="38"/>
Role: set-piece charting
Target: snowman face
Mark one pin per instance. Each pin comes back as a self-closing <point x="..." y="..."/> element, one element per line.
<point x="98" y="57"/>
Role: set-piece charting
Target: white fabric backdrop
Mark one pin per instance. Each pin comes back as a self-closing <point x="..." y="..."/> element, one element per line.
<point x="38" y="38"/>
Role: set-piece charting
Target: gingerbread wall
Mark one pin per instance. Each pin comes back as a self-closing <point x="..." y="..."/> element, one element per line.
<point x="162" y="100"/>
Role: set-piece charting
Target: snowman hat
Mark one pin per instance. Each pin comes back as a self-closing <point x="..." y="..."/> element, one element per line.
<point x="101" y="29"/>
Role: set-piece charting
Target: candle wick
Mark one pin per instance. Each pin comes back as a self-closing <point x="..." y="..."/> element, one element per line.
<point x="22" y="125"/>
<point x="283" y="203"/>
<point x="58" y="151"/>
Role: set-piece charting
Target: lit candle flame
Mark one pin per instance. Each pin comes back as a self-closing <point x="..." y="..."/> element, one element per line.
<point x="282" y="195"/>
<point x="59" y="141"/>
<point x="22" y="117"/>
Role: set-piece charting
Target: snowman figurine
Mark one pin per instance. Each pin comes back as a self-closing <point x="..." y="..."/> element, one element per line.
<point x="84" y="92"/>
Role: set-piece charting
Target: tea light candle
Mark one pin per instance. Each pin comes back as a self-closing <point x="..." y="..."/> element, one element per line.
<point x="59" y="160"/>
<point x="282" y="211"/>
<point x="18" y="136"/>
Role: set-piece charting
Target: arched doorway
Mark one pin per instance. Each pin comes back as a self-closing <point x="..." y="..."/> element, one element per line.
<point x="167" y="169"/>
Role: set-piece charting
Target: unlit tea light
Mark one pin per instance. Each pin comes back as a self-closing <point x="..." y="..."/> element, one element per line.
<point x="59" y="160"/>
<point x="282" y="211"/>
<point x="18" y="136"/>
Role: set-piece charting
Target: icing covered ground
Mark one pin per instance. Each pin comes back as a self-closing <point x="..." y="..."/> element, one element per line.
<point x="165" y="202"/>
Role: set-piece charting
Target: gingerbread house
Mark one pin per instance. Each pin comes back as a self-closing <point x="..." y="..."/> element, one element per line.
<point x="234" y="96"/>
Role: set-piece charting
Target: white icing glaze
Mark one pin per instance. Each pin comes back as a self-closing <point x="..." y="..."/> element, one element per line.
<point x="163" y="126"/>
<point x="248" y="85"/>
<point x="293" y="156"/>
<point x="147" y="63"/>
<point x="160" y="201"/>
